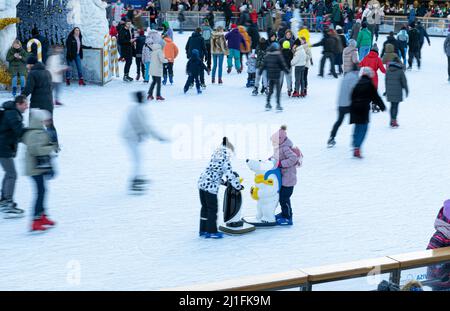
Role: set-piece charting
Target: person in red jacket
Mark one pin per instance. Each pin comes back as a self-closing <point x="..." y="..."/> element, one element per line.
<point x="113" y="30"/>
<point x="254" y="16"/>
<point x="373" y="61"/>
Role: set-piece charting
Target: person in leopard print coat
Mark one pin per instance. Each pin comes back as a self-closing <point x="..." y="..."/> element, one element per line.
<point x="208" y="184"/>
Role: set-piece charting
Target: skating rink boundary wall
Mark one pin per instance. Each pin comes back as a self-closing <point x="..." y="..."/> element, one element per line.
<point x="304" y="279"/>
<point x="434" y="26"/>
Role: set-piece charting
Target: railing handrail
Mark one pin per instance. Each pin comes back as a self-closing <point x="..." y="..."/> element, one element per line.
<point x="301" y="277"/>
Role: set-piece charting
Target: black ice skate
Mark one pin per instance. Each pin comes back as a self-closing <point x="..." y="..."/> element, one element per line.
<point x="255" y="91"/>
<point x="331" y="142"/>
<point x="10" y="210"/>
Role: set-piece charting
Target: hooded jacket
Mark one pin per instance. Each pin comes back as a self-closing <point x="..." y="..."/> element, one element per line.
<point x="11" y="130"/>
<point x="246" y="46"/>
<point x="394" y="42"/>
<point x="196" y="42"/>
<point x="170" y="50"/>
<point x="39" y="86"/>
<point x="364" y="38"/>
<point x="363" y="94"/>
<point x="350" y="56"/>
<point x="389" y="54"/>
<point x="195" y="65"/>
<point x="373" y="61"/>
<point x="300" y="57"/>
<point x="157" y="61"/>
<point x="395" y="83"/>
<point x="153" y="37"/>
<point x="273" y="64"/>
<point x="17" y="65"/>
<point x="282" y="151"/>
<point x="234" y="39"/>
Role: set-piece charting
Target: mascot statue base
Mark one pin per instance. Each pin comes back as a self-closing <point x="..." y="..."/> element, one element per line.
<point x="233" y="223"/>
<point x="265" y="192"/>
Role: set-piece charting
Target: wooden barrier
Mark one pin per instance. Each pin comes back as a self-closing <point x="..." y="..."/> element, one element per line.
<point x="305" y="278"/>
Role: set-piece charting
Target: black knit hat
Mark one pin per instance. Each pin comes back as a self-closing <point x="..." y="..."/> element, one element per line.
<point x="32" y="60"/>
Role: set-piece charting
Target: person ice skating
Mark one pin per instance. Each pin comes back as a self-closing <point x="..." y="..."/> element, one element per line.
<point x="167" y="30"/>
<point x="395" y="84"/>
<point x="206" y="34"/>
<point x="234" y="40"/>
<point x="330" y="45"/>
<point x="74" y="54"/>
<point x="56" y="67"/>
<point x="441" y="238"/>
<point x="208" y="184"/>
<point x="413" y="46"/>
<point x="298" y="64"/>
<point x="170" y="53"/>
<point x="273" y="64"/>
<point x="388" y="54"/>
<point x="138" y="50"/>
<point x="350" y="56"/>
<point x="261" y="51"/>
<point x="219" y="49"/>
<point x="156" y="71"/>
<point x="309" y="63"/>
<point x="11" y="131"/>
<point x="17" y="59"/>
<point x="152" y="37"/>
<point x="342" y="44"/>
<point x="197" y="42"/>
<point x="194" y="69"/>
<point x="251" y="71"/>
<point x="287" y="54"/>
<point x="364" y="93"/>
<point x="423" y="35"/>
<point x="364" y="41"/>
<point x="126" y="42"/>
<point x="289" y="158"/>
<point x="245" y="48"/>
<point x="136" y="131"/>
<point x="39" y="145"/>
<point x="356" y="29"/>
<point x="394" y="49"/>
<point x="373" y="61"/>
<point x="403" y="38"/>
<point x="35" y="33"/>
<point x="344" y="101"/>
<point x="447" y="53"/>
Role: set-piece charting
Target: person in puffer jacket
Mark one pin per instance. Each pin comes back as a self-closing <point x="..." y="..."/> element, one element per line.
<point x="208" y="185"/>
<point x="395" y="84"/>
<point x="389" y="54"/>
<point x="298" y="64"/>
<point x="289" y="158"/>
<point x="152" y="37"/>
<point x="373" y="61"/>
<point x="350" y="56"/>
<point x="261" y="52"/>
<point x="441" y="238"/>
<point x="194" y="69"/>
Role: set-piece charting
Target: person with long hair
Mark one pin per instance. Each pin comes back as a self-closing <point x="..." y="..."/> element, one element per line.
<point x="74" y="54"/>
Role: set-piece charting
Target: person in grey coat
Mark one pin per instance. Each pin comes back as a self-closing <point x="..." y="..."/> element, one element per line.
<point x="447" y="52"/>
<point x="395" y="83"/>
<point x="344" y="100"/>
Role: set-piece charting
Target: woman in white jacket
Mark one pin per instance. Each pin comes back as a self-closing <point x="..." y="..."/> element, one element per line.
<point x="298" y="64"/>
<point x="138" y="129"/>
<point x="156" y="71"/>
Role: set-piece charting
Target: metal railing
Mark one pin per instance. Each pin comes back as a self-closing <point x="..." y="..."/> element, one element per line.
<point x="305" y="279"/>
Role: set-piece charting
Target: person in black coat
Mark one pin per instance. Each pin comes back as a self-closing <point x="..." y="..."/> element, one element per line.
<point x="330" y="45"/>
<point x="363" y="94"/>
<point x="228" y="13"/>
<point x="74" y="47"/>
<point x="423" y="34"/>
<point x="414" y="46"/>
<point x="126" y="42"/>
<point x="273" y="64"/>
<point x="253" y="32"/>
<point x="44" y="44"/>
<point x="140" y="66"/>
<point x="391" y="40"/>
<point x="195" y="68"/>
<point x="196" y="42"/>
<point x="11" y="131"/>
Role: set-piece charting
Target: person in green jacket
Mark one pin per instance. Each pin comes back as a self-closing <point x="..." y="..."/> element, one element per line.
<point x="364" y="41"/>
<point x="17" y="59"/>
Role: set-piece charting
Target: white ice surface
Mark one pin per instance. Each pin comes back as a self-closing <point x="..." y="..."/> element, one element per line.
<point x="344" y="209"/>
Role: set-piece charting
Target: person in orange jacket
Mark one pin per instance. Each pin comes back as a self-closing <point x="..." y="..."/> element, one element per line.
<point x="247" y="48"/>
<point x="170" y="52"/>
<point x="373" y="61"/>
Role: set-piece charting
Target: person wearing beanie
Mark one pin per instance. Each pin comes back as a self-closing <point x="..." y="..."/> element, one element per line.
<point x="287" y="55"/>
<point x="195" y="69"/>
<point x="386" y="286"/>
<point x="363" y="95"/>
<point x="136" y="130"/>
<point x="355" y="30"/>
<point x="139" y="46"/>
<point x="413" y="46"/>
<point x="167" y="30"/>
<point x="441" y="238"/>
<point x="273" y="64"/>
<point x="208" y="185"/>
<point x="38" y="164"/>
<point x="234" y="40"/>
<point x="373" y="61"/>
<point x="344" y="100"/>
<point x="288" y="159"/>
<point x="350" y="56"/>
<point x="395" y="84"/>
<point x="364" y="41"/>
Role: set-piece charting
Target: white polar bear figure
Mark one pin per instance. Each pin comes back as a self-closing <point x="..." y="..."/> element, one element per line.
<point x="90" y="17"/>
<point x="266" y="189"/>
<point x="7" y="35"/>
<point x="296" y="22"/>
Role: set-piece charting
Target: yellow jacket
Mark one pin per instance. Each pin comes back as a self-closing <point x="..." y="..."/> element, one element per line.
<point x="304" y="33"/>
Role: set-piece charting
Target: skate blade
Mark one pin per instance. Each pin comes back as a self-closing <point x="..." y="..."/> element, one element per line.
<point x="14" y="216"/>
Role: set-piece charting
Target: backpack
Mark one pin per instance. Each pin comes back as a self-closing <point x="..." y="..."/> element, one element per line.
<point x="299" y="154"/>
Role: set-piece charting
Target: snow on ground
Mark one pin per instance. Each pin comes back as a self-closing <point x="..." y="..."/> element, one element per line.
<point x="344" y="209"/>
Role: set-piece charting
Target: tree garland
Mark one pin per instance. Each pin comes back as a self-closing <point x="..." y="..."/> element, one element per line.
<point x="5" y="22"/>
<point x="5" y="77"/>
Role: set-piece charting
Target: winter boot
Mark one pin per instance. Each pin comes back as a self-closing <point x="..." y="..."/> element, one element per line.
<point x="58" y="103"/>
<point x="228" y="69"/>
<point x="150" y="97"/>
<point x="394" y="124"/>
<point x="138" y="76"/>
<point x="203" y="85"/>
<point x="14" y="91"/>
<point x="164" y="81"/>
<point x="67" y="82"/>
<point x="331" y="142"/>
<point x="171" y="79"/>
<point x="213" y="80"/>
<point x="37" y="225"/>
<point x="268" y="106"/>
<point x="263" y="90"/>
<point x="46" y="222"/>
<point x="279" y="108"/>
<point x="302" y="94"/>
<point x="215" y="235"/>
<point x="289" y="93"/>
<point x="220" y="81"/>
<point x="81" y="82"/>
<point x="357" y="153"/>
<point x="295" y="94"/>
<point x="255" y="91"/>
<point x="10" y="210"/>
<point x="278" y="216"/>
<point x="199" y="91"/>
<point x="160" y="98"/>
